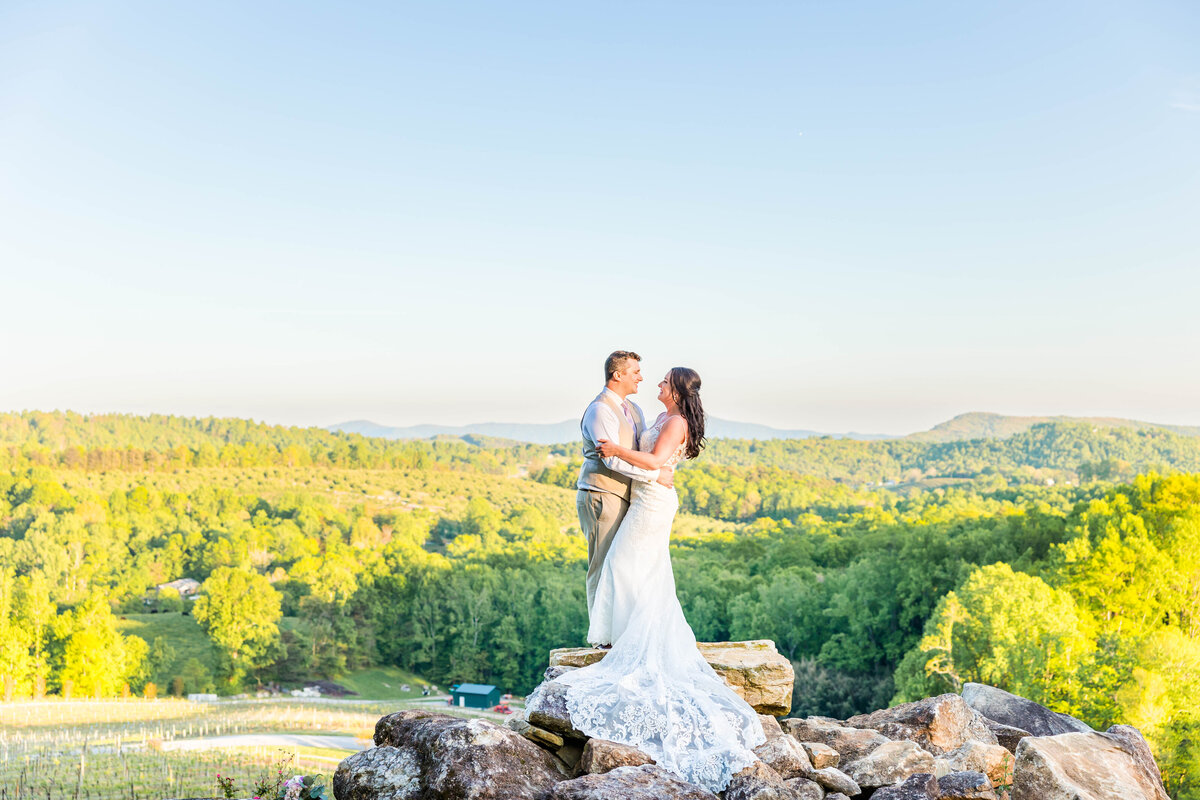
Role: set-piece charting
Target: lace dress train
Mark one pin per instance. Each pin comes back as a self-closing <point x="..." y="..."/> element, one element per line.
<point x="653" y="690"/>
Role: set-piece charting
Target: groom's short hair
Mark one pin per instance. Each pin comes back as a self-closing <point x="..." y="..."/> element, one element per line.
<point x="616" y="362"/>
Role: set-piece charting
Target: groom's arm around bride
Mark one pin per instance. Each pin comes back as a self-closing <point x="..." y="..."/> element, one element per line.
<point x="604" y="483"/>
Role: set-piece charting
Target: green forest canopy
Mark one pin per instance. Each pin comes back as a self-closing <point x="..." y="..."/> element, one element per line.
<point x="875" y="566"/>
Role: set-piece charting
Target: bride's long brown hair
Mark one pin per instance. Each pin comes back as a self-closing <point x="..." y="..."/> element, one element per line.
<point x="685" y="385"/>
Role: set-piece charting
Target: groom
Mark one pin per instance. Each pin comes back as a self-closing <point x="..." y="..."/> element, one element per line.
<point x="605" y="483"/>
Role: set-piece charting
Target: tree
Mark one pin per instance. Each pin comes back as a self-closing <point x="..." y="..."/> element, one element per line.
<point x="16" y="660"/>
<point x="1009" y="630"/>
<point x="240" y="611"/>
<point x="786" y="609"/>
<point x="35" y="613"/>
<point x="193" y="678"/>
<point x="169" y="600"/>
<point x="96" y="659"/>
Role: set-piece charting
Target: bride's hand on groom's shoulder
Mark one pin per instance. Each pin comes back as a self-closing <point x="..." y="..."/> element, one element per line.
<point x="607" y="448"/>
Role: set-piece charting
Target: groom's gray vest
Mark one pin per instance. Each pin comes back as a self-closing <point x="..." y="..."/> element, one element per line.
<point x="593" y="474"/>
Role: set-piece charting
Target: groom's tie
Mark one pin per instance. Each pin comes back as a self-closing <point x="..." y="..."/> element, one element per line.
<point x="629" y="415"/>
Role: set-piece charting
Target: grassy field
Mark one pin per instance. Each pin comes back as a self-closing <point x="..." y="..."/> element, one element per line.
<point x="113" y="749"/>
<point x="383" y="683"/>
<point x="184" y="635"/>
<point x="147" y="774"/>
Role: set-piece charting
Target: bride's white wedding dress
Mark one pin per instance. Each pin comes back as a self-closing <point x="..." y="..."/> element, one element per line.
<point x="654" y="690"/>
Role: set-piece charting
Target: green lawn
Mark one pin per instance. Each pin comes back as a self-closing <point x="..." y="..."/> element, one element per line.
<point x="382" y="683"/>
<point x="183" y="634"/>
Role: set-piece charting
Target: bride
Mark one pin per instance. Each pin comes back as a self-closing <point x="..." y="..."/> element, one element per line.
<point x="653" y="690"/>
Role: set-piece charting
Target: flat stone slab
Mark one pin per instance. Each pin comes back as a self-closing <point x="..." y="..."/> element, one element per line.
<point x="753" y="669"/>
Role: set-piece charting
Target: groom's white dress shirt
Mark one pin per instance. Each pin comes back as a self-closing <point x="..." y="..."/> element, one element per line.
<point x="600" y="422"/>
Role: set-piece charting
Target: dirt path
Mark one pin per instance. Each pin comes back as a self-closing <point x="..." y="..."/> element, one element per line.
<point x="341" y="742"/>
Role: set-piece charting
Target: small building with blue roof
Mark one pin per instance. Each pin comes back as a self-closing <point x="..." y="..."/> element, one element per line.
<point x="474" y="695"/>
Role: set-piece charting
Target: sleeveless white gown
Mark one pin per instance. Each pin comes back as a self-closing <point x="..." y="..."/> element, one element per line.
<point x="654" y="690"/>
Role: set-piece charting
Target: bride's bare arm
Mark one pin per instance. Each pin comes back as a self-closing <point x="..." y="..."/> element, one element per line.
<point x="673" y="434"/>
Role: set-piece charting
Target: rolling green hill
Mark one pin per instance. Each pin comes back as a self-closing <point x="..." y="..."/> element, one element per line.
<point x="984" y="425"/>
<point x="181" y="633"/>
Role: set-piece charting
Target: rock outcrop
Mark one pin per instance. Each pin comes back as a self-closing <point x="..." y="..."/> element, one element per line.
<point x="754" y="669"/>
<point x="600" y="756"/>
<point x="421" y="755"/>
<point x="966" y="786"/>
<point x="804" y="789"/>
<point x="546" y="708"/>
<point x="922" y="786"/>
<point x="1008" y="736"/>
<point x="889" y="764"/>
<point x="851" y="744"/>
<point x="770" y="725"/>
<point x="1017" y="712"/>
<point x="938" y="724"/>
<point x="1116" y="765"/>
<point x="821" y="755"/>
<point x="785" y="755"/>
<point x="758" y="782"/>
<point x="990" y="759"/>
<point x="939" y="748"/>
<point x="835" y="780"/>
<point x="630" y="783"/>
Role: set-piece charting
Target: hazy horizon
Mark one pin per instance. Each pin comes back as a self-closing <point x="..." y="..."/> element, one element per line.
<point x="846" y="219"/>
<point x="566" y="418"/>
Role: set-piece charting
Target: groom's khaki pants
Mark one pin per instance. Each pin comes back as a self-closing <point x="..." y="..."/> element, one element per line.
<point x="600" y="514"/>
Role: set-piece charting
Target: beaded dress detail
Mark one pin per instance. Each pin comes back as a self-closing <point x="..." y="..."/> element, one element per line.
<point x="653" y="690"/>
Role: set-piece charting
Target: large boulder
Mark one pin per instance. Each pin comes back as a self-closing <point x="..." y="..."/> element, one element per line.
<point x="990" y="759"/>
<point x="379" y="773"/>
<point x="770" y="725"/>
<point x="922" y="786"/>
<point x="850" y="743"/>
<point x="546" y="708"/>
<point x="601" y="756"/>
<point x="754" y="669"/>
<point x="758" y="782"/>
<point x="890" y="764"/>
<point x="835" y="780"/>
<point x="966" y="786"/>
<point x="804" y="789"/>
<point x="1017" y="712"/>
<point x="785" y="755"/>
<point x="553" y="672"/>
<point x="1008" y="736"/>
<point x="426" y="756"/>
<point x="821" y="755"/>
<point x="570" y="754"/>
<point x="938" y="724"/>
<point x="647" y="782"/>
<point x="1116" y="765"/>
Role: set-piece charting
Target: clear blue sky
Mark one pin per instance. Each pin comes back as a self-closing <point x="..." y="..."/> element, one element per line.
<point x="847" y="216"/>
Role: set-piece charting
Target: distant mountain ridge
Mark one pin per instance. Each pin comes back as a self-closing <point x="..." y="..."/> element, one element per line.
<point x="971" y="425"/>
<point x="985" y="425"/>
<point x="568" y="430"/>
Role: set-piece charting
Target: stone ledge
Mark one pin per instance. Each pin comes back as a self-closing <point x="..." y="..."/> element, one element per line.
<point x="753" y="669"/>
